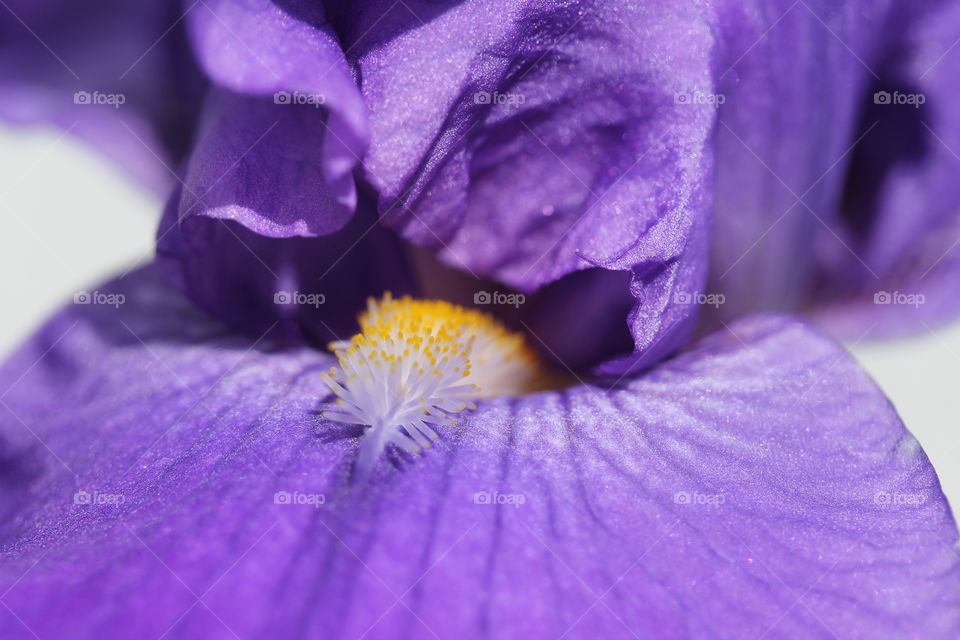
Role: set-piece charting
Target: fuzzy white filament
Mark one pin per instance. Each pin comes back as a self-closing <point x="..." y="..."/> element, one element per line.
<point x="416" y="362"/>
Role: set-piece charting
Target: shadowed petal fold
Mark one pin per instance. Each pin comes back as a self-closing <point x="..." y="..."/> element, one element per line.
<point x="294" y="289"/>
<point x="783" y="140"/>
<point x="901" y="209"/>
<point x="163" y="476"/>
<point x="266" y="212"/>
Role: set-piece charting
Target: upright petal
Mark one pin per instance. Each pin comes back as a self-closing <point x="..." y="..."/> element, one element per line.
<point x="183" y="484"/>
<point x="262" y="165"/>
<point x="286" y="54"/>
<point x="785" y="136"/>
<point x="833" y="188"/>
<point x="526" y="140"/>
<point x="901" y="209"/>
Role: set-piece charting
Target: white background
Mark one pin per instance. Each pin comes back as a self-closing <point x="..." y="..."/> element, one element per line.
<point x="69" y="220"/>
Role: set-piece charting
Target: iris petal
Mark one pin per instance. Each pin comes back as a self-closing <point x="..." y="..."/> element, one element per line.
<point x="286" y="52"/>
<point x="833" y="187"/>
<point x="262" y="165"/>
<point x="902" y="204"/>
<point x="291" y="288"/>
<point x="528" y="140"/>
<point x="758" y="483"/>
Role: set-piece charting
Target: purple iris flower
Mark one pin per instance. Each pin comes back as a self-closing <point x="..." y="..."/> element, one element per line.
<point x="594" y="175"/>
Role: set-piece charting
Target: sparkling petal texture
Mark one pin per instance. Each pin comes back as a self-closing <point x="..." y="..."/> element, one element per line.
<point x="529" y="139"/>
<point x="262" y="165"/>
<point x="758" y="483"/>
<point x="286" y="52"/>
<point x="273" y="159"/>
<point x="61" y="60"/>
<point x="576" y="131"/>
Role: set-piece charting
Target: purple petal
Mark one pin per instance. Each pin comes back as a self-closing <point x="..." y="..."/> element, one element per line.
<point x="238" y="234"/>
<point x="784" y="140"/>
<point x="902" y="207"/>
<point x="262" y="165"/>
<point x="116" y="74"/>
<point x="505" y="138"/>
<point x="292" y="288"/>
<point x="758" y="484"/>
<point x="287" y="51"/>
<point x="826" y="194"/>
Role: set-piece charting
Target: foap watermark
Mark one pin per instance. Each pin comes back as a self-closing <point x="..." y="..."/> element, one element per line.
<point x="115" y="100"/>
<point x="499" y="297"/>
<point x="899" y="97"/>
<point x="297" y="497"/>
<point x="96" y="297"/>
<point x="298" y="298"/>
<point x="486" y="497"/>
<point x="896" y="499"/>
<point x="699" y="97"/>
<point x="315" y="100"/>
<point x="696" y="498"/>
<point x="98" y="497"/>
<point x="485" y="97"/>
<point x="697" y="297"/>
<point x="899" y="298"/>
